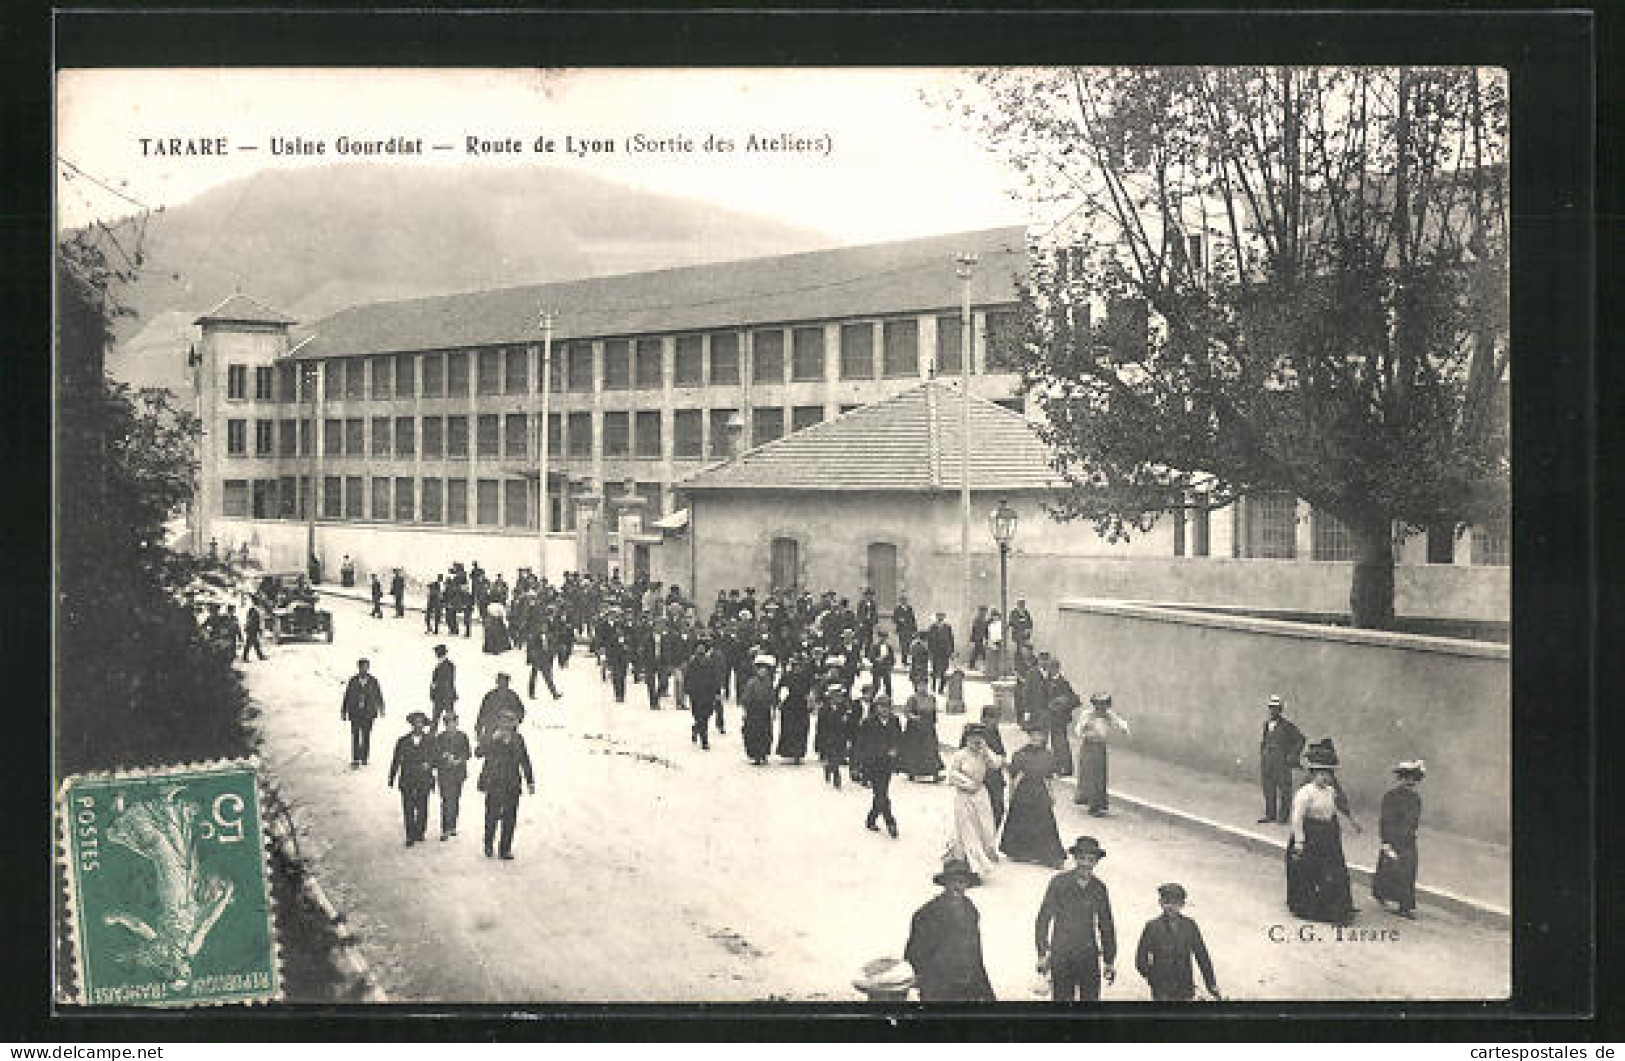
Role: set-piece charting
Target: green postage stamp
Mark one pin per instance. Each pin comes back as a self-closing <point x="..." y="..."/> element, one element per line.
<point x="167" y="887"/>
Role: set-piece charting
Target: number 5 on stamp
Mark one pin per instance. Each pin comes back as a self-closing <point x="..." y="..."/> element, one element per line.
<point x="168" y="891"/>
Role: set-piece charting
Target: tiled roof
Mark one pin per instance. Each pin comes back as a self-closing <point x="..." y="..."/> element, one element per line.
<point x="873" y="280"/>
<point x="910" y="441"/>
<point x="240" y="309"/>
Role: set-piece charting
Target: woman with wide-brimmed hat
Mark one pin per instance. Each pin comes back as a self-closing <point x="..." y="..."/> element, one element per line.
<point x="973" y="835"/>
<point x="945" y="941"/>
<point x="1029" y="833"/>
<point x="920" y="758"/>
<point x="1317" y="877"/>
<point x="758" y="701"/>
<point x="1395" y="879"/>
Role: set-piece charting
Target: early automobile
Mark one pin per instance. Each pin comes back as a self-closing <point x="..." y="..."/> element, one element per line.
<point x="289" y="606"/>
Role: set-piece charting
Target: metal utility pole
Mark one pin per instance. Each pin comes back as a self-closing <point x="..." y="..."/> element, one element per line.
<point x="967" y="270"/>
<point x="545" y="388"/>
<point x="310" y="372"/>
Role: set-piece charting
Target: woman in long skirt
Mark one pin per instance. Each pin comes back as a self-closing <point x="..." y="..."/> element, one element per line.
<point x="1317" y="877"/>
<point x="795" y="710"/>
<point x="1095" y="732"/>
<point x="1395" y="879"/>
<point x="496" y="630"/>
<point x="920" y="757"/>
<point x="757" y="700"/>
<point x="1029" y="833"/>
<point x="974" y="837"/>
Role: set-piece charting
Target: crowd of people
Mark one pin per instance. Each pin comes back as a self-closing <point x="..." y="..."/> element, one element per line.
<point x="812" y="676"/>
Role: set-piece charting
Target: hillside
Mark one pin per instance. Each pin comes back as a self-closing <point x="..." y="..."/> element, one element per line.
<point x="312" y="241"/>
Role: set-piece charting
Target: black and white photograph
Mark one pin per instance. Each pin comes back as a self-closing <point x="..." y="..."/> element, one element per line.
<point x="834" y="535"/>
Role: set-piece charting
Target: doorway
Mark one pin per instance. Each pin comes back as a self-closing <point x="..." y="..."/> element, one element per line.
<point x="883" y="575"/>
<point x="784" y="566"/>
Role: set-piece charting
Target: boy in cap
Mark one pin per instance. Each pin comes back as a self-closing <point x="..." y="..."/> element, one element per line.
<point x="1167" y="945"/>
<point x="413" y="766"/>
<point x="451" y="755"/>
<point x="1075" y="932"/>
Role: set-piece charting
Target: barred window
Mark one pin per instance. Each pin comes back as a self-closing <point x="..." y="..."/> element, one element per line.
<point x="580" y="439"/>
<point x="380" y="498"/>
<point x="807" y="354"/>
<point x="355" y="378"/>
<point x="690" y="361"/>
<point x="382" y="430"/>
<point x="404" y="500"/>
<point x="487" y="429"/>
<point x="900" y="348"/>
<point x="405" y="375"/>
<point x="307" y="438"/>
<point x="237" y="382"/>
<point x="237" y="438"/>
<point x="650" y="370"/>
<point x="766" y="424"/>
<point x="382" y="373"/>
<point x="434" y="375"/>
<point x="355" y="437"/>
<point x="287" y="382"/>
<point x="720" y="442"/>
<point x="581" y="370"/>
<point x="617" y="365"/>
<point x="457" y="501"/>
<point x="1331" y="537"/>
<point x="456" y="436"/>
<point x="264" y="498"/>
<point x="234" y="498"/>
<point x="333" y="438"/>
<point x="687" y="433"/>
<point x="516" y="370"/>
<point x="287" y="497"/>
<point x="434" y="501"/>
<point x="434" y="437"/>
<point x="1271" y="521"/>
<point x="287" y="438"/>
<point x="725" y="358"/>
<point x="405" y="429"/>
<point x="648" y="434"/>
<point x="616" y="430"/>
<point x="515" y="442"/>
<point x="264" y="383"/>
<point x="354" y="497"/>
<point x="332" y="497"/>
<point x="333" y="379"/>
<point x="805" y="416"/>
<point x="555" y="435"/>
<point x="489" y="367"/>
<point x="950" y="345"/>
<point x="486" y="502"/>
<point x="457" y="374"/>
<point x="858" y="351"/>
<point x="516" y="503"/>
<point x="767" y="356"/>
<point x="264" y="438"/>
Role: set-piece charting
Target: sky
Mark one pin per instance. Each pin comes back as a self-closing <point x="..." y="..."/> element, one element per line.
<point x="886" y="165"/>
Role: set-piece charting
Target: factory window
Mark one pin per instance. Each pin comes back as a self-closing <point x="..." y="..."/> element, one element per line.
<point x="354" y="497"/>
<point x="617" y="365"/>
<point x="514" y="440"/>
<point x="355" y="437"/>
<point x="405" y="375"/>
<point x="333" y="438"/>
<point x="304" y="497"/>
<point x="381" y="430"/>
<point x="404" y="500"/>
<point x="807" y="354"/>
<point x="1331" y="537"/>
<point x="237" y="438"/>
<point x="616" y="430"/>
<point x="405" y="429"/>
<point x="486" y="430"/>
<point x="287" y="438"/>
<point x="805" y="416"/>
<point x="580" y="439"/>
<point x="1492" y="543"/>
<point x="653" y="495"/>
<point x="900" y="348"/>
<point x="554" y="356"/>
<point x="307" y="438"/>
<point x="355" y="378"/>
<point x="333" y="379"/>
<point x="382" y="371"/>
<point x="648" y="434"/>
<point x="434" y="437"/>
<point x="434" y="501"/>
<point x="264" y="383"/>
<point x="1271" y="522"/>
<point x="237" y="382"/>
<point x="489" y="372"/>
<point x="434" y="375"/>
<point x="555" y="436"/>
<point x="516" y="370"/>
<point x="725" y="358"/>
<point x="332" y="497"/>
<point x="767" y="357"/>
<point x="516" y="503"/>
<point x="1003" y="350"/>
<point x="234" y="498"/>
<point x="287" y="497"/>
<point x="766" y="425"/>
<point x="380" y="498"/>
<point x="456" y="436"/>
<point x="687" y="429"/>
<point x="650" y="372"/>
<point x="287" y="382"/>
<point x="950" y="345"/>
<point x="690" y="361"/>
<point x="264" y="498"/>
<point x="264" y="438"/>
<point x="457" y="374"/>
<point x="581" y="370"/>
<point x="858" y="351"/>
<point x="721" y="442"/>
<point x="457" y="501"/>
<point x="486" y="501"/>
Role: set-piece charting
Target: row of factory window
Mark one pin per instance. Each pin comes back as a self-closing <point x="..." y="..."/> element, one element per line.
<point x="777" y="355"/>
<point x="624" y="434"/>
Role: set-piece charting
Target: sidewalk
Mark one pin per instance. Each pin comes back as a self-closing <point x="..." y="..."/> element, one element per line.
<point x="1470" y="877"/>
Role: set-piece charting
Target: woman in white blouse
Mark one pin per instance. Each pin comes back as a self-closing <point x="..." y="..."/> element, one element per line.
<point x="1317" y="877"/>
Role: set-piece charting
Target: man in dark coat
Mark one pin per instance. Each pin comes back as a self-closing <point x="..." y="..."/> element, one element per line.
<point x="868" y="614"/>
<point x="1074" y="930"/>
<point x="363" y="705"/>
<point x="1278" y="751"/>
<point x="377" y="598"/>
<point x="882" y="661"/>
<point x="878" y="743"/>
<point x="431" y="607"/>
<point x="501" y="698"/>
<point x="612" y="642"/>
<point x="978" y="637"/>
<point x="251" y="634"/>
<point x="1061" y="704"/>
<point x="1021" y="622"/>
<point x="442" y="686"/>
<point x="903" y="622"/>
<point x="539" y="654"/>
<point x="451" y="755"/>
<point x="1167" y="945"/>
<point x="507" y="763"/>
<point x="413" y="766"/>
<point x="945" y="941"/>
<point x="940" y="639"/>
<point x="397" y="589"/>
<point x="702" y="684"/>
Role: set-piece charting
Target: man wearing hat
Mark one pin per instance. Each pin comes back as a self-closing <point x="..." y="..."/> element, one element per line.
<point x="413" y="766"/>
<point x="1060" y="703"/>
<point x="442" y="686"/>
<point x="757" y="700"/>
<point x="1167" y="946"/>
<point x="1395" y="879"/>
<point x="940" y="639"/>
<point x="878" y="743"/>
<point x="945" y="941"/>
<point x="1074" y="930"/>
<point x="507" y="763"/>
<point x="702" y="684"/>
<point x="1278" y="752"/>
<point x="363" y="705"/>
<point x="499" y="699"/>
<point x="833" y="739"/>
<point x="451" y="755"/>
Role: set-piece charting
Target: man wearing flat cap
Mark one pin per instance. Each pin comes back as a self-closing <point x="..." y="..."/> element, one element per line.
<point x="413" y="768"/>
<point x="1075" y="932"/>
<point x="1167" y="946"/>
<point x="507" y="763"/>
<point x="501" y="698"/>
<point x="1279" y="749"/>
<point x="945" y="941"/>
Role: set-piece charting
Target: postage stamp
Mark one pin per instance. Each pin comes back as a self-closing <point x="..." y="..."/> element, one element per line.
<point x="168" y="888"/>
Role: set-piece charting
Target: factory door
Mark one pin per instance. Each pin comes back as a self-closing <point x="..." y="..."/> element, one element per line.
<point x="784" y="564"/>
<point x="883" y="575"/>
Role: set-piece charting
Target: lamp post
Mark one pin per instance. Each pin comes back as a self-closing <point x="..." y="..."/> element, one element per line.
<point x="966" y="271"/>
<point x="546" y="370"/>
<point x="1002" y="522"/>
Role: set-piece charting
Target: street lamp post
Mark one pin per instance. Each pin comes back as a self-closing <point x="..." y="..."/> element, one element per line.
<point x="1002" y="522"/>
<point x="546" y="369"/>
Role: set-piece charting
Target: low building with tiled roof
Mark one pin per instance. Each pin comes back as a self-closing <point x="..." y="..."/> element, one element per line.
<point x="240" y="309"/>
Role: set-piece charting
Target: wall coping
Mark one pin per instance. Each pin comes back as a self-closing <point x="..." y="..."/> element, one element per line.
<point x="1199" y="615"/>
